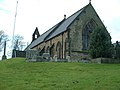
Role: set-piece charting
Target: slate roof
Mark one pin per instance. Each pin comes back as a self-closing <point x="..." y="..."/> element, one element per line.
<point x="65" y="24"/>
<point x="57" y="29"/>
<point x="41" y="38"/>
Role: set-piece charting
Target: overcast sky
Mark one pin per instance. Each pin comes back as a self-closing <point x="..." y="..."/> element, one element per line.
<point x="46" y="13"/>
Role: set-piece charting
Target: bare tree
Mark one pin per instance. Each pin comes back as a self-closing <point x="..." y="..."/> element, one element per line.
<point x="18" y="42"/>
<point x="3" y="38"/>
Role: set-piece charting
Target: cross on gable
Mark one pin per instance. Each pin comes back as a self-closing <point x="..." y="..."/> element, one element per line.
<point x="89" y="1"/>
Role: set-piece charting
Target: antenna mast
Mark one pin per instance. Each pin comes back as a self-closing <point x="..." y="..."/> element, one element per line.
<point x="14" y="26"/>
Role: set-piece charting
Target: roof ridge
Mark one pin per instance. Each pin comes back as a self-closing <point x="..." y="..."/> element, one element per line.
<point x="77" y="11"/>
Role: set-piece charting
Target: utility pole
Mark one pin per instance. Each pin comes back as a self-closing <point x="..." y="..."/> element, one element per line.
<point x="14" y="27"/>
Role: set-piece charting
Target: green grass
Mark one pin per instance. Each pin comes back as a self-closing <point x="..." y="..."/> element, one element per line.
<point x="16" y="74"/>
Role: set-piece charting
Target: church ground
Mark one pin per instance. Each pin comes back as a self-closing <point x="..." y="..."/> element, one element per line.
<point x="16" y="74"/>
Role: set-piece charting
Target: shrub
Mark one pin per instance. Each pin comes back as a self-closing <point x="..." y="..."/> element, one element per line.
<point x="100" y="44"/>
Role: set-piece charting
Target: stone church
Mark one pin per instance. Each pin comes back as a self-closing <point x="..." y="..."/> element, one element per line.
<point x="70" y="37"/>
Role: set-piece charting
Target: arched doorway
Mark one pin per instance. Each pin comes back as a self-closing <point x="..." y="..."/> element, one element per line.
<point x="48" y="50"/>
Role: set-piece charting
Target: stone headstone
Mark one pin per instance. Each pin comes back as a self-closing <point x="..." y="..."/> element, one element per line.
<point x="68" y="58"/>
<point x="55" y="58"/>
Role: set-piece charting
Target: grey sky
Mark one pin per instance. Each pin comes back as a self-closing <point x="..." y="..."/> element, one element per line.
<point x="46" y="13"/>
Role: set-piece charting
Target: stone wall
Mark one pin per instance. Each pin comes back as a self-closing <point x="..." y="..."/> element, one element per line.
<point x="76" y="31"/>
<point x="17" y="53"/>
<point x="60" y="38"/>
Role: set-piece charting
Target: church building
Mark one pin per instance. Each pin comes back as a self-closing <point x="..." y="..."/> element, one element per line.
<point x="70" y="37"/>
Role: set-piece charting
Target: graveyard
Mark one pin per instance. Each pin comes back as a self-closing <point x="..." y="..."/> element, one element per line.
<point x="77" y="52"/>
<point x="17" y="74"/>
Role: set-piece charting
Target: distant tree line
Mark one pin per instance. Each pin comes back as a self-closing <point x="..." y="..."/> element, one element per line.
<point x="18" y="43"/>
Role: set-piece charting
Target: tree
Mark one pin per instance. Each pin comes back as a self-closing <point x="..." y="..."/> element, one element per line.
<point x="3" y="38"/>
<point x="100" y="43"/>
<point x="18" y="42"/>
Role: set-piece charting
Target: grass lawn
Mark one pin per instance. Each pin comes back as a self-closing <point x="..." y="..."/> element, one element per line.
<point x="16" y="74"/>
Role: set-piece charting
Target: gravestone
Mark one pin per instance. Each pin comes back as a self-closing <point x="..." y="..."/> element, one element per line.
<point x="31" y="55"/>
<point x="4" y="55"/>
<point x="68" y="58"/>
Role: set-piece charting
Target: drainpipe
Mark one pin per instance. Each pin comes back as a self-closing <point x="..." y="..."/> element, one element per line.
<point x="69" y="40"/>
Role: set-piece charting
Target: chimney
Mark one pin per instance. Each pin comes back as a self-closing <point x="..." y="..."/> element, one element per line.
<point x="64" y="16"/>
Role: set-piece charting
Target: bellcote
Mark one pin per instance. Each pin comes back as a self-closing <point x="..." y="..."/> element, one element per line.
<point x="35" y="35"/>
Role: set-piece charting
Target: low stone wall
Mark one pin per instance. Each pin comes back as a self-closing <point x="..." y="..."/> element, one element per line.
<point x="78" y="56"/>
<point x="97" y="60"/>
<point x="34" y="56"/>
<point x="105" y="60"/>
<point x="110" y="61"/>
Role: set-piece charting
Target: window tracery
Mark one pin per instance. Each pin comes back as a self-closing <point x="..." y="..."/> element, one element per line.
<point x="86" y="33"/>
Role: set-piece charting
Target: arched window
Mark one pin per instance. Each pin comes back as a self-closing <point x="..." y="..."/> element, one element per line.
<point x="88" y="28"/>
<point x="52" y="52"/>
<point x="48" y="50"/>
<point x="58" y="49"/>
<point x="42" y="51"/>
